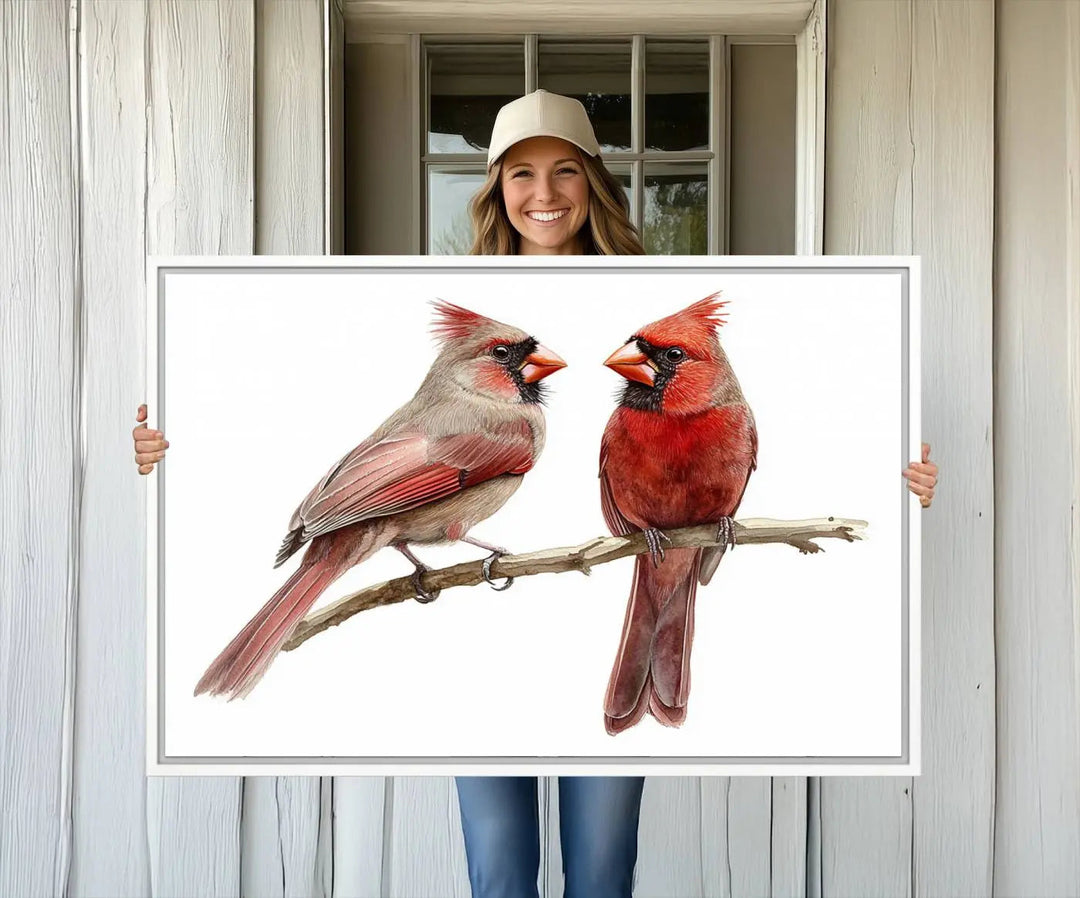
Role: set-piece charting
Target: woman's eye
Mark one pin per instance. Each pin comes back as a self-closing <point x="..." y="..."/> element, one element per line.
<point x="674" y="354"/>
<point x="500" y="353"/>
<point x="567" y="171"/>
<point x="520" y="173"/>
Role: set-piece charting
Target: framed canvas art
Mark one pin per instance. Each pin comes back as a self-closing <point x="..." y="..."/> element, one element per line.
<point x="533" y="516"/>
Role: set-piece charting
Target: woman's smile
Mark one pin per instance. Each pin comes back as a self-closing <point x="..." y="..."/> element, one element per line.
<point x="546" y="217"/>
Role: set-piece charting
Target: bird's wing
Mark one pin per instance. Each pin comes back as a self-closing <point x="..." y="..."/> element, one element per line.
<point x="753" y="457"/>
<point x="710" y="558"/>
<point x="405" y="471"/>
<point x="614" y="519"/>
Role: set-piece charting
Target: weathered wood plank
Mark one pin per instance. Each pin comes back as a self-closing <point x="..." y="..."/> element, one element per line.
<point x="866" y="837"/>
<point x="787" y="862"/>
<point x="869" y="154"/>
<point x="865" y="824"/>
<point x="750" y="835"/>
<point x="952" y="229"/>
<point x="200" y="200"/>
<point x="110" y="855"/>
<point x="200" y="188"/>
<point x="736" y="824"/>
<point x="426" y="855"/>
<point x="40" y="476"/>
<point x="279" y="832"/>
<point x="362" y="807"/>
<point x="281" y="817"/>
<point x="290" y="192"/>
<point x="1037" y="451"/>
<point x="671" y="842"/>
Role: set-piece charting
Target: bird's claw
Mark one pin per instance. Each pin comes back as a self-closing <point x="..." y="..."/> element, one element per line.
<point x="422" y="595"/>
<point x="654" y="539"/>
<point x="486" y="569"/>
<point x="725" y="534"/>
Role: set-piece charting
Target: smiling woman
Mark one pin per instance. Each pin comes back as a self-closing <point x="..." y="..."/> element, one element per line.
<point x="546" y="195"/>
<point x="547" y="191"/>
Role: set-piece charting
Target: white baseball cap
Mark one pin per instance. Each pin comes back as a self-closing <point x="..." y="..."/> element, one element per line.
<point x="541" y="114"/>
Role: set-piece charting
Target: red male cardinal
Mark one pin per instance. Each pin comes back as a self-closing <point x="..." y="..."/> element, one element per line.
<point x="678" y="451"/>
<point x="447" y="459"/>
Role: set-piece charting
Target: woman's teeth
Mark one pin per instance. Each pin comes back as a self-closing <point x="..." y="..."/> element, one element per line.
<point x="547" y="216"/>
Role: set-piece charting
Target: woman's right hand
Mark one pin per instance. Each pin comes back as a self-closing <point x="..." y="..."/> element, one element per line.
<point x="150" y="445"/>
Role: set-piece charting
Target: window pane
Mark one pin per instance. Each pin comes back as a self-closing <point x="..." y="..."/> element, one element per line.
<point x="598" y="74"/>
<point x="449" y="192"/>
<point x="676" y="95"/>
<point x="469" y="82"/>
<point x="676" y="211"/>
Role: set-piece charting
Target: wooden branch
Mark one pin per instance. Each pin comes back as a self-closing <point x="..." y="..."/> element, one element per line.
<point x="583" y="558"/>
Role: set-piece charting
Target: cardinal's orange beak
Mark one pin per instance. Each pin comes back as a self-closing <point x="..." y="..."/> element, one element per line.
<point x="633" y="364"/>
<point x="539" y="364"/>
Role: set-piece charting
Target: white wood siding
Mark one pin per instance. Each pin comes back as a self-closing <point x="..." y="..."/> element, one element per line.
<point x="109" y="812"/>
<point x="952" y="229"/>
<point x="200" y="197"/>
<point x="1037" y="453"/>
<point x="909" y="169"/>
<point x="41" y="440"/>
<point x="199" y="127"/>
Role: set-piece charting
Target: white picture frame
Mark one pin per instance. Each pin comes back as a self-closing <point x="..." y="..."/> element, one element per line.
<point x="232" y="450"/>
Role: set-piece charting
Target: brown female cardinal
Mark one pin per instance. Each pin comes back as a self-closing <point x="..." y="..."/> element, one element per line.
<point x="678" y="451"/>
<point x="447" y="459"/>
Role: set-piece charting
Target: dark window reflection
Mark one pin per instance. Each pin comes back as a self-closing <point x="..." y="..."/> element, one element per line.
<point x="598" y="75"/>
<point x="469" y="83"/>
<point x="676" y="95"/>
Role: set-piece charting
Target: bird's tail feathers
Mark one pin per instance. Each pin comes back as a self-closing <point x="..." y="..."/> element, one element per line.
<point x="652" y="668"/>
<point x="670" y="658"/>
<point x="243" y="661"/>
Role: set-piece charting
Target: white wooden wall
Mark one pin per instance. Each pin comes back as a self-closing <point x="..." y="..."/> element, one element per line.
<point x="1037" y="449"/>
<point x="179" y="127"/>
<point x="909" y="169"/>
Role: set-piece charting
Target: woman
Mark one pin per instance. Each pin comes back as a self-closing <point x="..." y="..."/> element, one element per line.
<point x="547" y="193"/>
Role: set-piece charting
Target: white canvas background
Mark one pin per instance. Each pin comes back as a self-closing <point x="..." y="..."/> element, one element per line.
<point x="270" y="378"/>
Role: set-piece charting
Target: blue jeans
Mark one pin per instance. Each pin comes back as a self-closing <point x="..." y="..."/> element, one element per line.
<point x="598" y="821"/>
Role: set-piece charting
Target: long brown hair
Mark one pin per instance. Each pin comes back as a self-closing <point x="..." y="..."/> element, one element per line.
<point x="608" y="231"/>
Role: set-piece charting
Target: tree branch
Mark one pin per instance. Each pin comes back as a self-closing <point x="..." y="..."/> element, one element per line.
<point x="583" y="558"/>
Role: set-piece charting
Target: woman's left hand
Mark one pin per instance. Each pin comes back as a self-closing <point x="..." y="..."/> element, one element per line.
<point x="922" y="477"/>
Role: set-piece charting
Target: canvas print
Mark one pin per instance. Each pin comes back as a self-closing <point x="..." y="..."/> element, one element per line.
<point x="522" y="526"/>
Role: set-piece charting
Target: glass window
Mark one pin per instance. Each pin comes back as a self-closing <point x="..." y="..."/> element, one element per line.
<point x="468" y="83"/>
<point x="598" y="75"/>
<point x="651" y="101"/>
<point x="676" y="209"/>
<point x="449" y="190"/>
<point x="676" y="95"/>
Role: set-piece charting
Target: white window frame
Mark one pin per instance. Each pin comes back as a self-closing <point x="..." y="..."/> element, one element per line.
<point x="728" y="22"/>
<point x="637" y="157"/>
